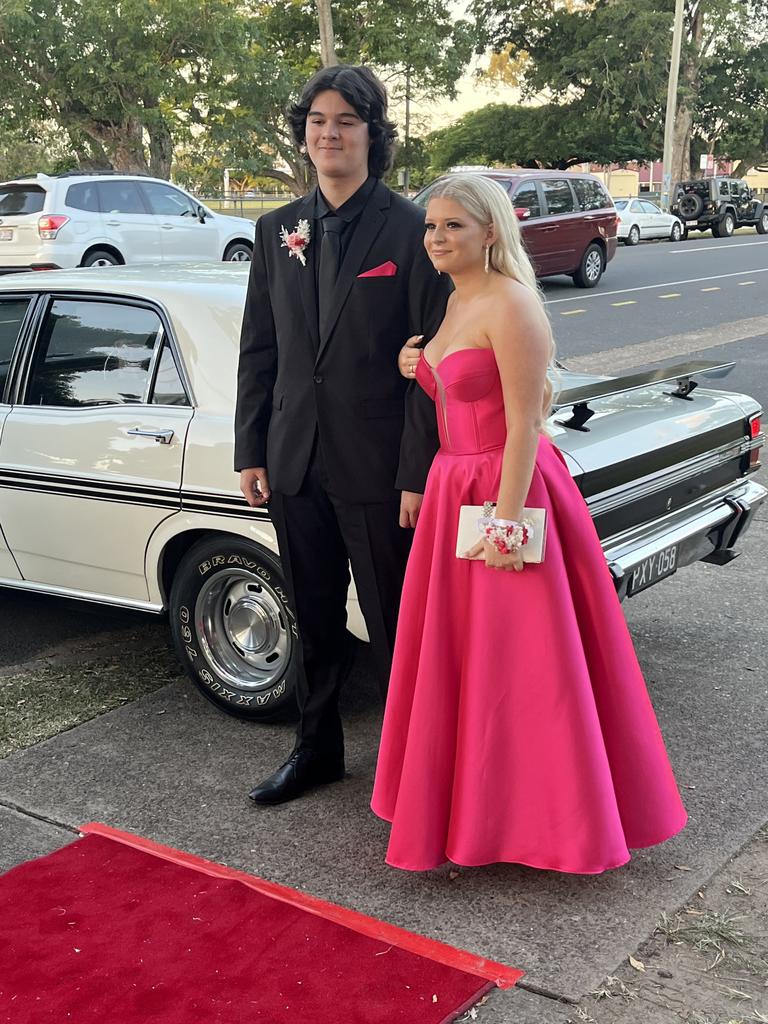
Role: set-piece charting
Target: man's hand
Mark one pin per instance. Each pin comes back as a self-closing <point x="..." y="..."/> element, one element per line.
<point x="409" y="356"/>
<point x="254" y="484"/>
<point x="410" y="504"/>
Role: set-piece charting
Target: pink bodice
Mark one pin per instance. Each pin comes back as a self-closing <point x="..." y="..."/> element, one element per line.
<point x="466" y="389"/>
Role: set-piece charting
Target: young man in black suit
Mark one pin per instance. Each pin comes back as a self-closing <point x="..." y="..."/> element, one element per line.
<point x="326" y="429"/>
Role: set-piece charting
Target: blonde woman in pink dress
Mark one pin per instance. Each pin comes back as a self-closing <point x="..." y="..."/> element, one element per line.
<point x="518" y="727"/>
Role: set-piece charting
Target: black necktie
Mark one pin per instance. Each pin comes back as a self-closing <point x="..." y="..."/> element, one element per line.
<point x="330" y="257"/>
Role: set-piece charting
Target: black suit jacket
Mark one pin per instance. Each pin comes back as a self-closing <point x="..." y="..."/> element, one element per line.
<point x="344" y="383"/>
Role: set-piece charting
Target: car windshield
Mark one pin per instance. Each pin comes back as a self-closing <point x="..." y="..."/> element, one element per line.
<point x="621" y="204"/>
<point x="21" y="199"/>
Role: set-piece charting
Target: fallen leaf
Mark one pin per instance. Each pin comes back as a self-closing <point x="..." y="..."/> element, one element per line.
<point x="637" y="964"/>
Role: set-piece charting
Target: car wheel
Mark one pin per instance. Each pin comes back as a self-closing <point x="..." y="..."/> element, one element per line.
<point x="690" y="206"/>
<point x="762" y="225"/>
<point x="727" y="226"/>
<point x="676" y="233"/>
<point x="715" y="231"/>
<point x="234" y="628"/>
<point x="633" y="235"/>
<point x="238" y="252"/>
<point x="591" y="268"/>
<point x="100" y="258"/>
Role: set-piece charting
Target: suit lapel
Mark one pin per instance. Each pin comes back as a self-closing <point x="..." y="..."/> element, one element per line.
<point x="371" y="222"/>
<point x="306" y="274"/>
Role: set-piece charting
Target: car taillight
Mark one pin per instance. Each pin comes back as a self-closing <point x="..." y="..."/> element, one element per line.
<point x="755" y="430"/>
<point x="49" y="227"/>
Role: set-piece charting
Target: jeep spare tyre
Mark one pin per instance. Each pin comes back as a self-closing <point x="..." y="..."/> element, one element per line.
<point x="690" y="206"/>
<point x="234" y="628"/>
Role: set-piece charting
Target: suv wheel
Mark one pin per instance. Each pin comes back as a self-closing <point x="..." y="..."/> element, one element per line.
<point x="762" y="224"/>
<point x="234" y="629"/>
<point x="633" y="235"/>
<point x="676" y="233"/>
<point x="100" y="258"/>
<point x="238" y="252"/>
<point x="727" y="226"/>
<point x="591" y="268"/>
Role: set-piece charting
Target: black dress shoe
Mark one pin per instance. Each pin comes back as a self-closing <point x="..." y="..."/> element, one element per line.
<point x="303" y="770"/>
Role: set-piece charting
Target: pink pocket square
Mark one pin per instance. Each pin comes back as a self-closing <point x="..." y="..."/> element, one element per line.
<point x="388" y="269"/>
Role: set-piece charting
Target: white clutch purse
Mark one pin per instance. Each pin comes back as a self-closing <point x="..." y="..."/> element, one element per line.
<point x="468" y="534"/>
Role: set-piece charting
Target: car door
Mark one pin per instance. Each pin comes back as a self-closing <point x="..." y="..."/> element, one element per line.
<point x="562" y="224"/>
<point x="659" y="224"/>
<point x="127" y="221"/>
<point x="14" y="311"/>
<point x="527" y="203"/>
<point x="183" y="236"/>
<point x="91" y="460"/>
<point x="639" y="216"/>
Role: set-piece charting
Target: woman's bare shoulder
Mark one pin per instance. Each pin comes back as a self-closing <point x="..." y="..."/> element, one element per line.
<point x="516" y="311"/>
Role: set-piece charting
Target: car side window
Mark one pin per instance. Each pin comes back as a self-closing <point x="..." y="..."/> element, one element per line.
<point x="649" y="207"/>
<point x="167" y="201"/>
<point x="591" y="194"/>
<point x="168" y="388"/>
<point x="636" y="207"/>
<point x="558" y="196"/>
<point x="120" y="197"/>
<point x="83" y="197"/>
<point x="527" y="197"/>
<point x="12" y="312"/>
<point x="93" y="353"/>
<point x="724" y="191"/>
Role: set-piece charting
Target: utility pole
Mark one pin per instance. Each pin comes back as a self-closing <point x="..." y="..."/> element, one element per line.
<point x="327" y="42"/>
<point x="669" y="121"/>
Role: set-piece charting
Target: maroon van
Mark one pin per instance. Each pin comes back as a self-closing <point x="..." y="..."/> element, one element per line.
<point x="568" y="220"/>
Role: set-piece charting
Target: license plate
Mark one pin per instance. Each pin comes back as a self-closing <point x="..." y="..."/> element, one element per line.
<point x="6" y="234"/>
<point x="653" y="569"/>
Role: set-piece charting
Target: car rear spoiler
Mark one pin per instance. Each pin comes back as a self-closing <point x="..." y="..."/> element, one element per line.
<point x="578" y="399"/>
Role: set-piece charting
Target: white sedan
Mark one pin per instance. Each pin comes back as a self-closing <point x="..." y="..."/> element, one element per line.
<point x="640" y="218"/>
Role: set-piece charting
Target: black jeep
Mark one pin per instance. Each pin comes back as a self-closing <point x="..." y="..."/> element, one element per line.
<point x="720" y="204"/>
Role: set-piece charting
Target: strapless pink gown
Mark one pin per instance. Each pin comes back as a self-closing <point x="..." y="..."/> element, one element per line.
<point x="518" y="726"/>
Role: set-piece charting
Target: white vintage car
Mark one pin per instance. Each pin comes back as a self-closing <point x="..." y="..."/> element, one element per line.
<point x="116" y="483"/>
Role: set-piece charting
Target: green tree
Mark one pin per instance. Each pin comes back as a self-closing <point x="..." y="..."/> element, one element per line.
<point x="613" y="56"/>
<point x="551" y="135"/>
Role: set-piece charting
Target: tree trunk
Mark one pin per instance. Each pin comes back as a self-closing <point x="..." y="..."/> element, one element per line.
<point x="124" y="143"/>
<point x="327" y="41"/>
<point x="160" y="149"/>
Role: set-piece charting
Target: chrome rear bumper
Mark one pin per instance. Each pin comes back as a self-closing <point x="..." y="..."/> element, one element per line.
<point x="707" y="530"/>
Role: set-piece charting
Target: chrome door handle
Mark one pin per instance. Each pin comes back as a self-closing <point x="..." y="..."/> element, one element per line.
<point x="114" y="223"/>
<point x="161" y="436"/>
<point x="167" y="227"/>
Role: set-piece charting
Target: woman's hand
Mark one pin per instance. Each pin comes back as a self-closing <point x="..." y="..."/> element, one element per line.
<point x="494" y="559"/>
<point x="409" y="356"/>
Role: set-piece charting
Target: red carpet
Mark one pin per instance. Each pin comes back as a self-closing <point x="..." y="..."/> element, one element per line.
<point x="115" y="928"/>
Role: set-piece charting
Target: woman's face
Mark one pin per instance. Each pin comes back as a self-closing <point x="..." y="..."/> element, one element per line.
<point x="455" y="241"/>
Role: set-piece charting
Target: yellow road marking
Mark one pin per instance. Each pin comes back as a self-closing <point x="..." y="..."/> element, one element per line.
<point x="670" y="295"/>
<point x="715" y="289"/>
<point x="743" y="283"/>
<point x="571" y="312"/>
<point x="627" y="302"/>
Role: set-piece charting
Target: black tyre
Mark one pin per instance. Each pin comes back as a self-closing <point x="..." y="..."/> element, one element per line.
<point x="633" y="236"/>
<point x="591" y="267"/>
<point x="715" y="230"/>
<point x="677" y="232"/>
<point x="762" y="223"/>
<point x="690" y="206"/>
<point x="100" y="258"/>
<point x="238" y="252"/>
<point x="727" y="225"/>
<point x="234" y="628"/>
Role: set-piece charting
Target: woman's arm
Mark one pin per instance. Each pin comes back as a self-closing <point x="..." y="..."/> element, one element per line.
<point x="521" y="341"/>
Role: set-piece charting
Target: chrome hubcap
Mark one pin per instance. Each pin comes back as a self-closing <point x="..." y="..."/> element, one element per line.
<point x="594" y="265"/>
<point x="241" y="256"/>
<point x="102" y="263"/>
<point x="243" y="629"/>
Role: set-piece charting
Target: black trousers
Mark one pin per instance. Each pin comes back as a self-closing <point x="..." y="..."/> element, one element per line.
<point x="319" y="536"/>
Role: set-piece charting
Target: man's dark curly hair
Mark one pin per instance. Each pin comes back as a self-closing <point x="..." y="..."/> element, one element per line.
<point x="363" y="91"/>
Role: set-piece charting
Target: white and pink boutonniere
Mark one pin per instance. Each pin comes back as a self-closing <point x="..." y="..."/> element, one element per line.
<point x="296" y="241"/>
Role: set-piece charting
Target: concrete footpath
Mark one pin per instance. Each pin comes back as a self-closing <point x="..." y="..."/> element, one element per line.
<point x="172" y="768"/>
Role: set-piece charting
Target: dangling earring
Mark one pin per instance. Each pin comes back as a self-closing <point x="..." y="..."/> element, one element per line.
<point x="487" y="258"/>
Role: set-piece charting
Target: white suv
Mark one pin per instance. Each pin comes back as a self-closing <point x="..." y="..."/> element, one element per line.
<point x="102" y="219"/>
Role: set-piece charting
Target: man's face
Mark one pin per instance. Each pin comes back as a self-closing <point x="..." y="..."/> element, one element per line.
<point x="337" y="137"/>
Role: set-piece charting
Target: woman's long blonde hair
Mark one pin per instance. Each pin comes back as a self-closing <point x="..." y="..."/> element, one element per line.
<point x="487" y="203"/>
